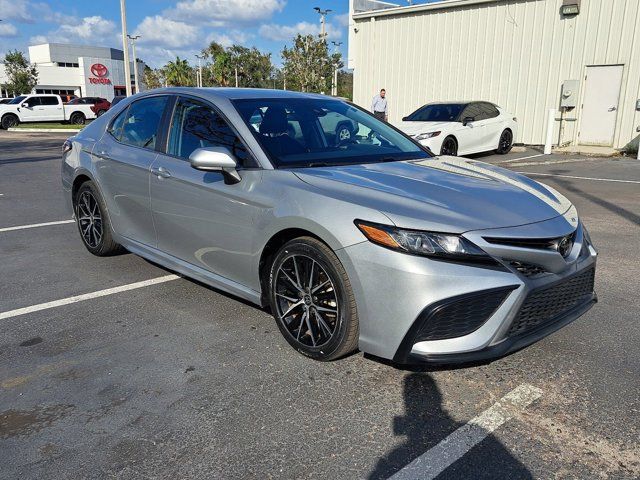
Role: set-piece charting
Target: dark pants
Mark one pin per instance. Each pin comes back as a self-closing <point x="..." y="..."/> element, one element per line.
<point x="379" y="115"/>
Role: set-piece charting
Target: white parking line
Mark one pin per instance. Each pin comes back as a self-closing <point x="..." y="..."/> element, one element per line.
<point x="35" y="225"/>
<point x="86" y="296"/>
<point x="432" y="463"/>
<point x="581" y="178"/>
<point x="520" y="158"/>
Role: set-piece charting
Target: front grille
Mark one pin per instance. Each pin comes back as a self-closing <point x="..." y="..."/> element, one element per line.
<point x="528" y="269"/>
<point x="535" y="243"/>
<point x="544" y="306"/>
<point x="460" y="315"/>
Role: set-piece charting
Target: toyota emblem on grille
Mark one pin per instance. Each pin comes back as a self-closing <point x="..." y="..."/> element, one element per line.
<point x="564" y="246"/>
<point x="99" y="70"/>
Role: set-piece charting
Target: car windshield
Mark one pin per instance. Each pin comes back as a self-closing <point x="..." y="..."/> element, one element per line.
<point x="302" y="132"/>
<point x="17" y="100"/>
<point x="437" y="112"/>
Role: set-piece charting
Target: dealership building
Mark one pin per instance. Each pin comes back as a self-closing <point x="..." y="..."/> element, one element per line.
<point x="79" y="70"/>
<point x="580" y="57"/>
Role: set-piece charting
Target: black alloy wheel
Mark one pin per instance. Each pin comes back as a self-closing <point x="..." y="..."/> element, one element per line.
<point x="93" y="222"/>
<point x="505" y="143"/>
<point x="449" y="147"/>
<point x="9" y="121"/>
<point x="312" y="301"/>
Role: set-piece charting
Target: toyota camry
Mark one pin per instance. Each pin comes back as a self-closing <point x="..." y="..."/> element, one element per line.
<point x="361" y="241"/>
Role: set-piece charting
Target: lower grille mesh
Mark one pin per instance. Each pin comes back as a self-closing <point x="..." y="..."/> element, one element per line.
<point x="462" y="315"/>
<point x="544" y="306"/>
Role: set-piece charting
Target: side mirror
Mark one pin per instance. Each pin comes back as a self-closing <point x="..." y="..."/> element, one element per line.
<point x="404" y="119"/>
<point x="216" y="159"/>
<point x="24" y="105"/>
<point x="467" y="120"/>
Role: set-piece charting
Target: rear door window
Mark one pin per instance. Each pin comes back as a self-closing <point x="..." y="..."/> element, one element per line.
<point x="49" y="101"/>
<point x="141" y="122"/>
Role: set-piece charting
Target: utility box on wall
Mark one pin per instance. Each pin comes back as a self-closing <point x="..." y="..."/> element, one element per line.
<point x="569" y="95"/>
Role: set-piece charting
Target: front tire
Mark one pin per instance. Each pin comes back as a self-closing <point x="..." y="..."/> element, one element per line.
<point x="312" y="300"/>
<point x="449" y="147"/>
<point x="505" y="143"/>
<point x="93" y="221"/>
<point x="100" y="113"/>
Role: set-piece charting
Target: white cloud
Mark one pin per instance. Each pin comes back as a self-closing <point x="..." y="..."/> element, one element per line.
<point x="8" y="30"/>
<point x="89" y="28"/>
<point x="342" y="20"/>
<point x="19" y="10"/>
<point x="224" y="12"/>
<point x="161" y="31"/>
<point x="288" y="32"/>
<point x="227" y="39"/>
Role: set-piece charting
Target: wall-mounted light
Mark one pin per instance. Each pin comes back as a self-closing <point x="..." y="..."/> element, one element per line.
<point x="570" y="7"/>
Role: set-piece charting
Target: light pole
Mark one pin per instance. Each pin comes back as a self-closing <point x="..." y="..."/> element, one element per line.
<point x="199" y="57"/>
<point x="323" y="17"/>
<point x="135" y="61"/>
<point x="125" y="47"/>
<point x="334" y="87"/>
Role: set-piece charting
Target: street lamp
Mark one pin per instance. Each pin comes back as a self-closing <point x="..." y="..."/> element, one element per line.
<point x="334" y="87"/>
<point x="125" y="47"/>
<point x="135" y="61"/>
<point x="199" y="79"/>
<point x="323" y="16"/>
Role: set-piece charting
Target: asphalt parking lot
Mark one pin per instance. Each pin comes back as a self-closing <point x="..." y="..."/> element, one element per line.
<point x="177" y="380"/>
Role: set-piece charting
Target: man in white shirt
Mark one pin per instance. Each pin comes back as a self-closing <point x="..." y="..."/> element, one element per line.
<point x="379" y="106"/>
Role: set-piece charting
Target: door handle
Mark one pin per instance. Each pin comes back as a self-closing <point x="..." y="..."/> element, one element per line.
<point x="612" y="109"/>
<point x="161" y="172"/>
<point x="104" y="154"/>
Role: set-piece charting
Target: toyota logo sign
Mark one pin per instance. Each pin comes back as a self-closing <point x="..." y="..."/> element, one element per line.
<point x="99" y="70"/>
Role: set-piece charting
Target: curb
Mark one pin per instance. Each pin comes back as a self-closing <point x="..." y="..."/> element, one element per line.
<point x="44" y="130"/>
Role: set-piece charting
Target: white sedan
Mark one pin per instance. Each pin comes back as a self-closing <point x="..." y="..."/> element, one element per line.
<point x="461" y="128"/>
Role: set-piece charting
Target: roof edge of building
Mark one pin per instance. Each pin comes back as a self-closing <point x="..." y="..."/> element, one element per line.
<point x="443" y="4"/>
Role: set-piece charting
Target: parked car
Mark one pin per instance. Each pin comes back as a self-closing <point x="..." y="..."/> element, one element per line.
<point x="42" y="108"/>
<point x="461" y="128"/>
<point x="98" y="105"/>
<point x="5" y="100"/>
<point x="370" y="244"/>
<point x="117" y="99"/>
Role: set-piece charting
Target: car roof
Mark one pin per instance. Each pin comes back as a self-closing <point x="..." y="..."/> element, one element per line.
<point x="239" y="93"/>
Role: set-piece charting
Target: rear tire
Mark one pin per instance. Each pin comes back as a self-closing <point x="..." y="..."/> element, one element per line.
<point x="505" y="143"/>
<point x="100" y="113"/>
<point x="9" y="121"/>
<point x="312" y="300"/>
<point x="93" y="221"/>
<point x="449" y="147"/>
<point x="77" y="118"/>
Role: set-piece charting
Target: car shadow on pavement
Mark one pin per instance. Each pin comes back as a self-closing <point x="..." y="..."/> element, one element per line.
<point x="612" y="207"/>
<point x="425" y="423"/>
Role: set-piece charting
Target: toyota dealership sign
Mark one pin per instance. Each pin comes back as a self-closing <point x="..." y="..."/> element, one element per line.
<point x="100" y="74"/>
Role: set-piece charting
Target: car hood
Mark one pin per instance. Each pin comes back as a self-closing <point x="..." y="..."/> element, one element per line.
<point x="415" y="128"/>
<point x="446" y="194"/>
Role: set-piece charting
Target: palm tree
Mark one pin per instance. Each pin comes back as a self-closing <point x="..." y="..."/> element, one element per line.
<point x="179" y="73"/>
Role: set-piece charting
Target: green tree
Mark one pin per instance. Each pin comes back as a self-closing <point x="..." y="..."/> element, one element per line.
<point x="345" y="84"/>
<point x="307" y="64"/>
<point x="153" y="77"/>
<point x="179" y="73"/>
<point x="253" y="68"/>
<point x="22" y="77"/>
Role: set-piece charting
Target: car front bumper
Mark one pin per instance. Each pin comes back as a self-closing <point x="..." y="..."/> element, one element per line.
<point x="396" y="295"/>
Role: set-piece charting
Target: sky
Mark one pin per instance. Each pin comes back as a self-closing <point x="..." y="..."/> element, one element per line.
<point x="169" y="28"/>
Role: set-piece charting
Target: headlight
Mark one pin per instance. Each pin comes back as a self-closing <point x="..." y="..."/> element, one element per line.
<point x="424" y="136"/>
<point x="428" y="244"/>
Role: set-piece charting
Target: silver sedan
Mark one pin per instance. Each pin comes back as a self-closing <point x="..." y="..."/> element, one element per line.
<point x="360" y="241"/>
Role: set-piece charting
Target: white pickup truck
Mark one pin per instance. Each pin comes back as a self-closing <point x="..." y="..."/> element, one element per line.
<point x="42" y="108"/>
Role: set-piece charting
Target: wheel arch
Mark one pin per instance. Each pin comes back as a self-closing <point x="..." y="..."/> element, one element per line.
<point x="79" y="179"/>
<point x="270" y="249"/>
<point x="9" y="114"/>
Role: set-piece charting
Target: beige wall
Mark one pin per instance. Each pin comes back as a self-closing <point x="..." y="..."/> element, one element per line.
<point x="515" y="53"/>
